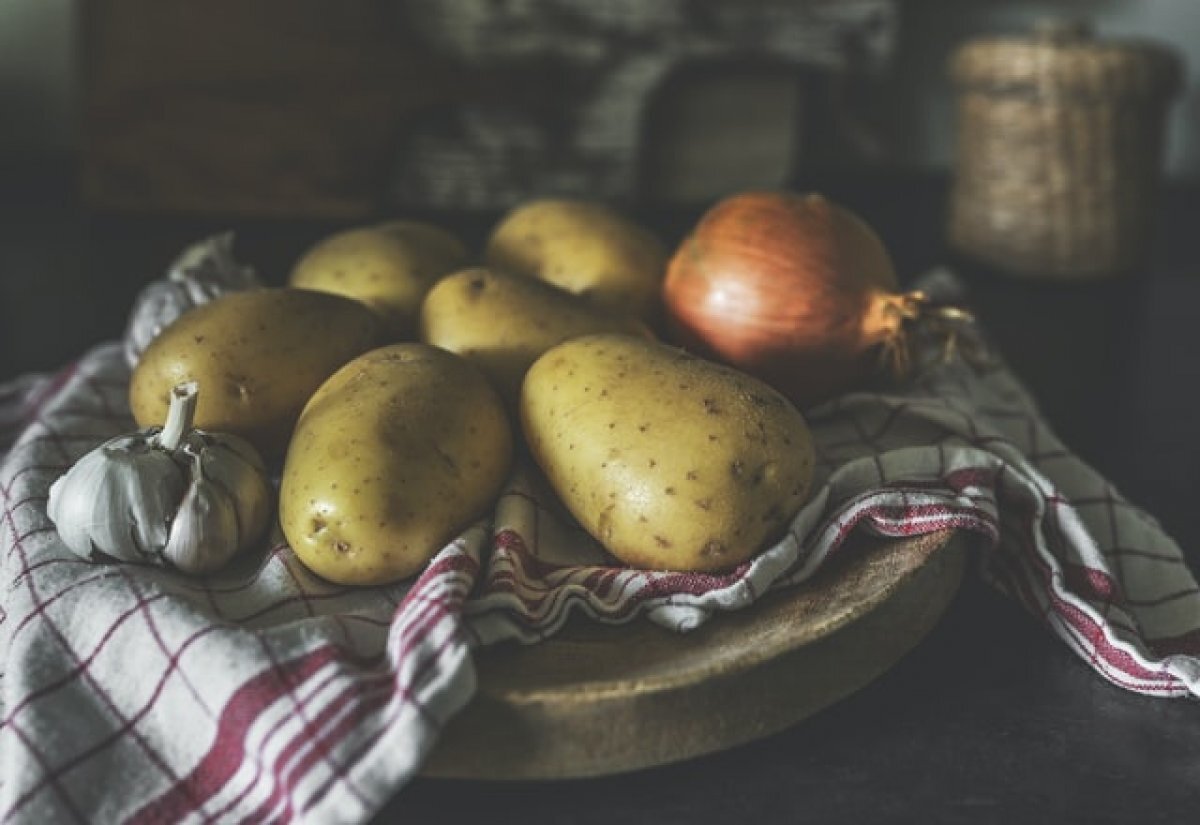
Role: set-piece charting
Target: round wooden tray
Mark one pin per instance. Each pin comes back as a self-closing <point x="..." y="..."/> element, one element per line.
<point x="597" y="700"/>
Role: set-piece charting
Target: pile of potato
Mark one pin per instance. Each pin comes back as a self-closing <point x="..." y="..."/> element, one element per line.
<point x="395" y="380"/>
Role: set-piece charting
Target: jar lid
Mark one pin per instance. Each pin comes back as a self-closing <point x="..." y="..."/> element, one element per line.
<point x="1063" y="58"/>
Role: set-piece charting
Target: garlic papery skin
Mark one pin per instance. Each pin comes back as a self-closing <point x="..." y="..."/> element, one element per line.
<point x="176" y="495"/>
<point x="204" y="271"/>
<point x="233" y="466"/>
<point x="204" y="532"/>
<point x="118" y="500"/>
<point x="211" y="261"/>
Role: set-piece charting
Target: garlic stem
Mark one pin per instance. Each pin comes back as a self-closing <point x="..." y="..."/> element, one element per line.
<point x="179" y="415"/>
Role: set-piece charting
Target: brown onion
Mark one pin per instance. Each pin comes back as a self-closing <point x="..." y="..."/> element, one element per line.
<point x="791" y="288"/>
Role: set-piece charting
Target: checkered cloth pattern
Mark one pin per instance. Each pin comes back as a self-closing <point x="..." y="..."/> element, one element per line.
<point x="263" y="694"/>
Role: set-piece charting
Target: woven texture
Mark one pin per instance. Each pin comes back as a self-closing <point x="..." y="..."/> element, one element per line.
<point x="263" y="694"/>
<point x="1059" y="152"/>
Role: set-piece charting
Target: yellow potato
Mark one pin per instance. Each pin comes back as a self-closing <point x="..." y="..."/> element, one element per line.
<point x="257" y="356"/>
<point x="585" y="248"/>
<point x="502" y="322"/>
<point x="389" y="267"/>
<point x="671" y="462"/>
<point x="395" y="454"/>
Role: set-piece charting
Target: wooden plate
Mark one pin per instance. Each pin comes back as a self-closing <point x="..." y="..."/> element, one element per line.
<point x="597" y="700"/>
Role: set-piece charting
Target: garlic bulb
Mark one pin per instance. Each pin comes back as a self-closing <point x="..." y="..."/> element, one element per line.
<point x="204" y="271"/>
<point x="178" y="496"/>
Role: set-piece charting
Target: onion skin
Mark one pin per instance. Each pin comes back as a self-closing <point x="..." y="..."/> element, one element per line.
<point x="790" y="288"/>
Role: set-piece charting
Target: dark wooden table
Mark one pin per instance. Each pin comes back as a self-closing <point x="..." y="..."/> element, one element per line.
<point x="990" y="719"/>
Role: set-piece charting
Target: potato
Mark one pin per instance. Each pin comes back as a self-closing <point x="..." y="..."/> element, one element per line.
<point x="502" y="322"/>
<point x="389" y="267"/>
<point x="585" y="248"/>
<point x="670" y="461"/>
<point x="395" y="454"/>
<point x="257" y="357"/>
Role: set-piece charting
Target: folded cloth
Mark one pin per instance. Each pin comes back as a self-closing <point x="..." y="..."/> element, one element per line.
<point x="133" y="693"/>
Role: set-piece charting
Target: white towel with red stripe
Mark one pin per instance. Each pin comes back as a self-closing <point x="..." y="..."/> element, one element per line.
<point x="134" y="694"/>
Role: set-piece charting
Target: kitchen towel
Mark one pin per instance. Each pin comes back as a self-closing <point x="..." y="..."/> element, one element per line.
<point x="131" y="693"/>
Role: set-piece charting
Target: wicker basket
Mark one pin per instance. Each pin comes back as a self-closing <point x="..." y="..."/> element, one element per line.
<point x="1059" y="151"/>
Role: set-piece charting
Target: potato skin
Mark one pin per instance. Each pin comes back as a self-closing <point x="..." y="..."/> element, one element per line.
<point x="585" y="248"/>
<point x="257" y="356"/>
<point x="394" y="455"/>
<point x="388" y="266"/>
<point x="670" y="461"/>
<point x="502" y="322"/>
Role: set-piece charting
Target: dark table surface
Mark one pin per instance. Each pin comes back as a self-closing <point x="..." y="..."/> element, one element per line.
<point x="990" y="719"/>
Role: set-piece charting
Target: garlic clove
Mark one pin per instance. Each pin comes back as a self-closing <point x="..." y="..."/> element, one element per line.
<point x="71" y="509"/>
<point x="243" y="448"/>
<point x="203" y="271"/>
<point x="204" y="533"/>
<point x="117" y="499"/>
<point x="211" y="262"/>
<point x="146" y="494"/>
<point x="241" y="476"/>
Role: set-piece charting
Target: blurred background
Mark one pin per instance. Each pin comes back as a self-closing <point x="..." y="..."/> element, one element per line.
<point x="64" y="64"/>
